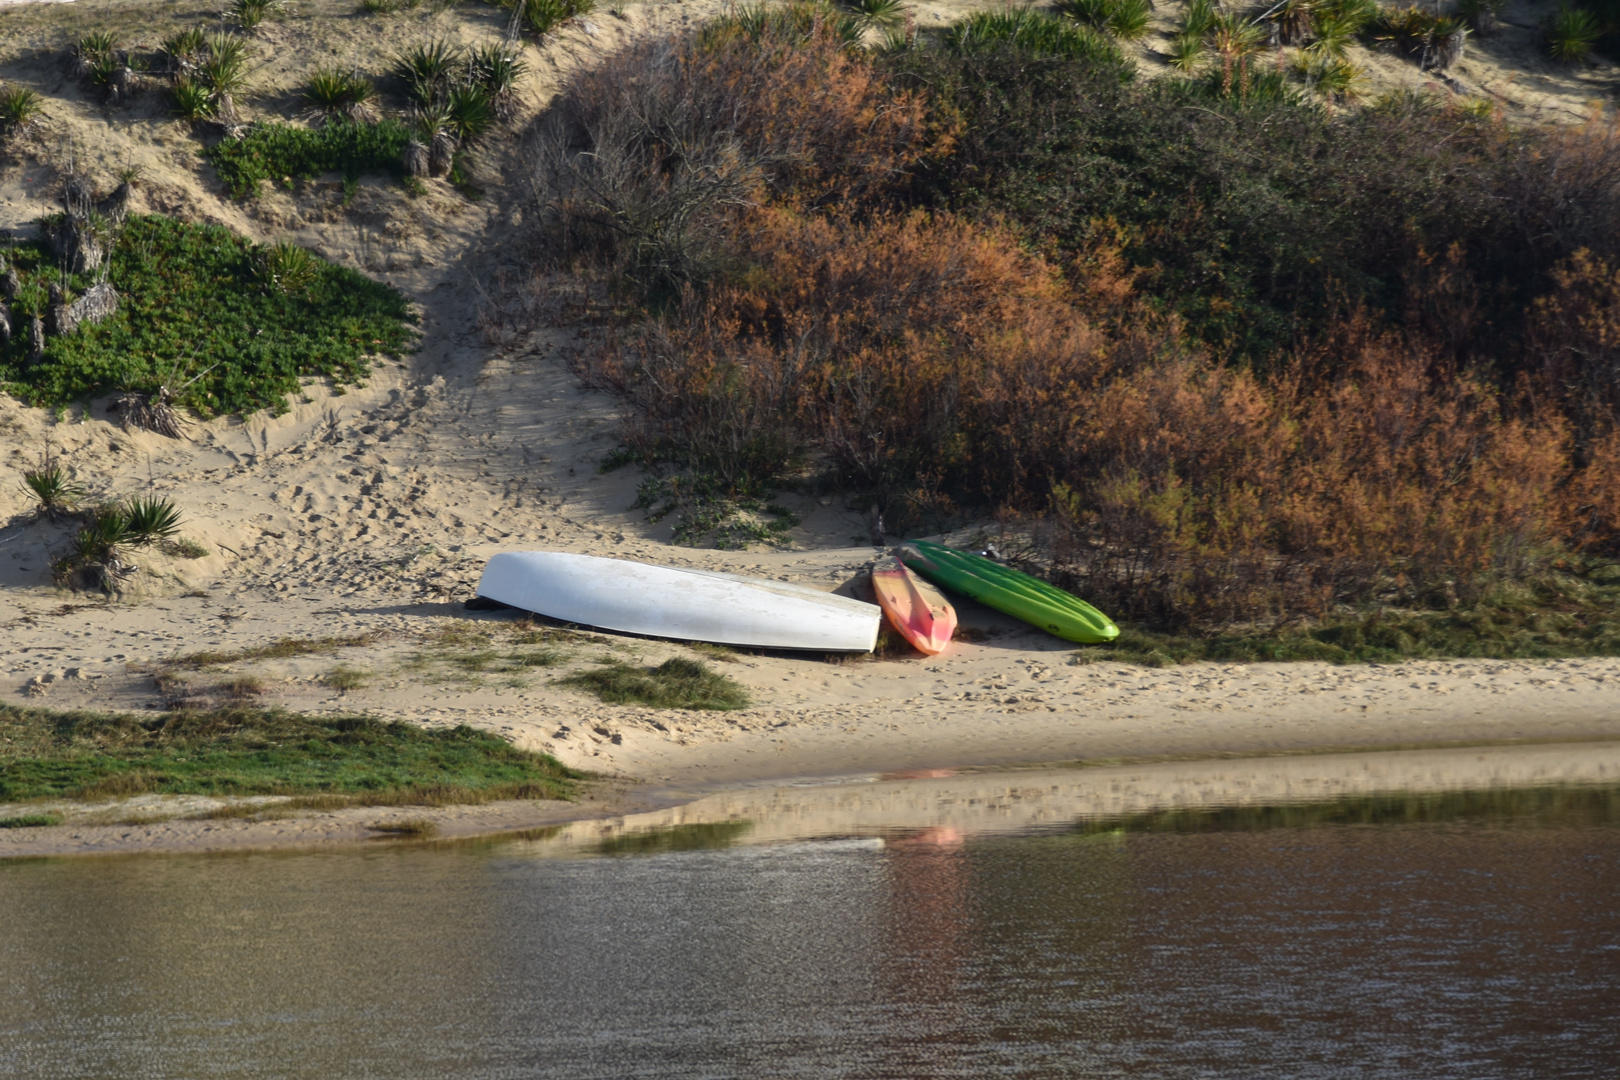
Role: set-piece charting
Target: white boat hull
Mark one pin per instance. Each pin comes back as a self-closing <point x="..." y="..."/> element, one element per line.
<point x="688" y="605"/>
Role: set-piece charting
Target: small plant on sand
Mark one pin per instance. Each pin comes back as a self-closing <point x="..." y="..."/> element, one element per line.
<point x="678" y="683"/>
<point x="1125" y="19"/>
<point x="334" y="93"/>
<point x="1332" y="78"/>
<point x="541" y="17"/>
<point x="344" y="678"/>
<point x="1186" y="52"/>
<point x="498" y="70"/>
<point x="20" y="112"/>
<point x="92" y="48"/>
<point x="1570" y="33"/>
<point x="428" y="71"/>
<point x="470" y="112"/>
<point x="184" y="50"/>
<point x="878" y="14"/>
<point x="30" y="821"/>
<point x="285" y="268"/>
<point x="57" y="494"/>
<point x="149" y="520"/>
<point x="248" y="14"/>
<point x="191" y="101"/>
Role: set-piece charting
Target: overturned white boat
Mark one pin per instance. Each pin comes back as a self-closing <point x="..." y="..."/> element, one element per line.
<point x="689" y="605"/>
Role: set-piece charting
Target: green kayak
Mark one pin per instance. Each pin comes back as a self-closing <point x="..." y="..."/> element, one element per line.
<point x="1010" y="591"/>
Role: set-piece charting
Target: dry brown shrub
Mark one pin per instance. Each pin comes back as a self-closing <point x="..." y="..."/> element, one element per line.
<point x="893" y="349"/>
<point x="1214" y="497"/>
<point x="645" y="157"/>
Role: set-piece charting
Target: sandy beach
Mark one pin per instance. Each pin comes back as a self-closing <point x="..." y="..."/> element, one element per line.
<point x="362" y="518"/>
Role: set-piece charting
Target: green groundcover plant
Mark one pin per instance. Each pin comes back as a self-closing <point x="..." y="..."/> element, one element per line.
<point x="198" y="314"/>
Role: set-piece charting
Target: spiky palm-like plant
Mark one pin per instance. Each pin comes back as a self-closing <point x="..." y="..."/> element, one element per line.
<point x="1331" y="78"/>
<point x="57" y="494"/>
<point x="91" y="48"/>
<point x="498" y="71"/>
<point x="149" y="520"/>
<point x="20" y="111"/>
<point x="878" y="14"/>
<point x="191" y="101"/>
<point x="334" y="93"/>
<point x="1187" y="51"/>
<point x="1200" y="17"/>
<point x="183" y="50"/>
<point x="428" y="70"/>
<point x="470" y="112"/>
<point x="285" y="267"/>
<point x="1571" y="33"/>
<point x="1293" y="19"/>
<point x="248" y="14"/>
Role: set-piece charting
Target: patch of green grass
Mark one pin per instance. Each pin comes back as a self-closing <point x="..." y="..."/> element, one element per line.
<point x="675" y="684"/>
<point x="1549" y="618"/>
<point x="194" y="315"/>
<point x="353" y="760"/>
<point x="282" y="153"/>
<point x="723" y="653"/>
<point x="275" y="650"/>
<point x="30" y="821"/>
<point x="344" y="678"/>
<point x="421" y="828"/>
<point x="707" y="509"/>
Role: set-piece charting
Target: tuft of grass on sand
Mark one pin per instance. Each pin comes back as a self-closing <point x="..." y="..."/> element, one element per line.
<point x="284" y="649"/>
<point x="237" y="750"/>
<point x="30" y="821"/>
<point x="344" y="678"/>
<point x="1548" y="619"/>
<point x="421" y="828"/>
<point x="677" y="683"/>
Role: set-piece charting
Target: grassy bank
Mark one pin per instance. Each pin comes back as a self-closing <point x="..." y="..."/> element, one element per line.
<point x="343" y="760"/>
<point x="224" y="324"/>
<point x="1552" y="617"/>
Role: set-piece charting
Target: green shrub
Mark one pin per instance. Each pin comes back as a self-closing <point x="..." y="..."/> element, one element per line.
<point x="1040" y="35"/>
<point x="1570" y="33"/>
<point x="541" y="17"/>
<point x="470" y="112"/>
<point x="248" y="14"/>
<point x="283" y="152"/>
<point x="56" y="493"/>
<point x="881" y="14"/>
<point x="191" y="303"/>
<point x="1125" y="19"/>
<point x="678" y="683"/>
<point x="149" y="520"/>
<point x="428" y="70"/>
<point x="191" y="101"/>
<point x="20" y="110"/>
<point x="336" y="93"/>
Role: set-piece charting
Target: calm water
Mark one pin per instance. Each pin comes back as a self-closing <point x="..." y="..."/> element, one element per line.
<point x="1440" y="938"/>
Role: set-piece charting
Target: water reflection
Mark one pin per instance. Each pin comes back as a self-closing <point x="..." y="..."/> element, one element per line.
<point x="1472" y="935"/>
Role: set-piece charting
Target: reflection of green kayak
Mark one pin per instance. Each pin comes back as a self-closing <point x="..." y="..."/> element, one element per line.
<point x="1011" y="591"/>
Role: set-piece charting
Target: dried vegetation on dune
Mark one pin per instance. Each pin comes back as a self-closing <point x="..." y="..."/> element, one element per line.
<point x="1223" y="359"/>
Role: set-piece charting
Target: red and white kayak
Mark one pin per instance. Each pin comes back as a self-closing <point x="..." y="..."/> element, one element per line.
<point x="914" y="607"/>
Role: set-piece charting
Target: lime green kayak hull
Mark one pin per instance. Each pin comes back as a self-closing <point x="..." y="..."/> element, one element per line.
<point x="1010" y="591"/>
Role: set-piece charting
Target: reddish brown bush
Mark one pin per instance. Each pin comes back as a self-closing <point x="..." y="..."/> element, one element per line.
<point x="645" y="157"/>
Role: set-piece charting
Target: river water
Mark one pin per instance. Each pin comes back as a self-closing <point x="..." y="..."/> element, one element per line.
<point x="1471" y="935"/>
